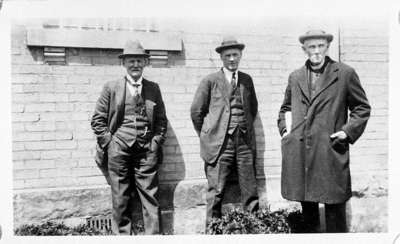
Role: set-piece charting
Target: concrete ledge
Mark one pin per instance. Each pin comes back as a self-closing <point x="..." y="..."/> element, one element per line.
<point x="183" y="204"/>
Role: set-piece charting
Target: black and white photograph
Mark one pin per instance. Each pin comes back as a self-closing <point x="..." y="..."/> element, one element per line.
<point x="192" y="125"/>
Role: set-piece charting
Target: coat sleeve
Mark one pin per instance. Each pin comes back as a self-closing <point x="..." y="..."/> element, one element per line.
<point x="254" y="102"/>
<point x="160" y="119"/>
<point x="200" y="104"/>
<point x="285" y="107"/>
<point x="358" y="106"/>
<point x="99" y="121"/>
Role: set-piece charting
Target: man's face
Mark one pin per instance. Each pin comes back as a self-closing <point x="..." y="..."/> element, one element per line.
<point x="316" y="50"/>
<point x="231" y="58"/>
<point x="134" y="65"/>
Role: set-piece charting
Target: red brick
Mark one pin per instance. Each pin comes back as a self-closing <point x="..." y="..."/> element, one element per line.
<point x="39" y="145"/>
<point x="26" y="174"/>
<point x="40" y="126"/>
<point x="24" y="78"/>
<point x="54" y="154"/>
<point x="40" y="107"/>
<point x="25" y="98"/>
<point x="52" y="173"/>
<point x="66" y="144"/>
<point x="64" y="107"/>
<point x="39" y="164"/>
<point x="52" y="97"/>
<point x="26" y="155"/>
<point x="17" y="108"/>
<point x="18" y="146"/>
<point x="25" y="117"/>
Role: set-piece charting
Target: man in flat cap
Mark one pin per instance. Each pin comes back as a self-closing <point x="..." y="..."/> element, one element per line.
<point x="329" y="110"/>
<point x="130" y="125"/>
<point x="223" y="110"/>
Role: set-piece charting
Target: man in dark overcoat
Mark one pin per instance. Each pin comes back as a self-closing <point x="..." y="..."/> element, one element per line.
<point x="329" y="110"/>
<point x="130" y="125"/>
<point x="223" y="111"/>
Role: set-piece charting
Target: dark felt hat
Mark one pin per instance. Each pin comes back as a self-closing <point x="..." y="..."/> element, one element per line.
<point x="229" y="42"/>
<point x="133" y="48"/>
<point x="315" y="34"/>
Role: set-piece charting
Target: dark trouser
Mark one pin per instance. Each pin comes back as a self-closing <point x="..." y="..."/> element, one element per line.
<point x="133" y="170"/>
<point x="235" y="154"/>
<point x="335" y="217"/>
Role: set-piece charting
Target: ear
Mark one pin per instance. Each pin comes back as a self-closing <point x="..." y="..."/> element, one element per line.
<point x="147" y="61"/>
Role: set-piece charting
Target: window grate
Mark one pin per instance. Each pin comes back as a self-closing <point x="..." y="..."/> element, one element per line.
<point x="54" y="55"/>
<point x="102" y="223"/>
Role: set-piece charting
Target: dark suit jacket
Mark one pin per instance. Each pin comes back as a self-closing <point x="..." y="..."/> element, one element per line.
<point x="210" y="112"/>
<point x="109" y="114"/>
<point x="314" y="167"/>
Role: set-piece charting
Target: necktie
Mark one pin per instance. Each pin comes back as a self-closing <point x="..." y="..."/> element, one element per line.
<point x="136" y="96"/>
<point x="233" y="80"/>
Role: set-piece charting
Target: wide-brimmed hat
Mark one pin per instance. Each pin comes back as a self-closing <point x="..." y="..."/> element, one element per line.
<point x="229" y="42"/>
<point x="315" y="34"/>
<point x="133" y="48"/>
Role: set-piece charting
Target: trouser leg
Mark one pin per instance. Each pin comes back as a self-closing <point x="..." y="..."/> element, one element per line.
<point x="121" y="177"/>
<point x="217" y="174"/>
<point x="335" y="215"/>
<point x="246" y="173"/>
<point x="311" y="216"/>
<point x="146" y="178"/>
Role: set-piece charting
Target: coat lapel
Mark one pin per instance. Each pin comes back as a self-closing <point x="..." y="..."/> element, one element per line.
<point x="327" y="78"/>
<point x="147" y="95"/>
<point x="302" y="82"/>
<point x="223" y="85"/>
<point x="120" y="93"/>
<point x="241" y="83"/>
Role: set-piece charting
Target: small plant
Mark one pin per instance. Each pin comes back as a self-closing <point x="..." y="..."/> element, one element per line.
<point x="57" y="229"/>
<point x="263" y="221"/>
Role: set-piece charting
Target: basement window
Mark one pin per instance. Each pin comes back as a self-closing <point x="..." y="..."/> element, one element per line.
<point x="54" y="55"/>
<point x="158" y="57"/>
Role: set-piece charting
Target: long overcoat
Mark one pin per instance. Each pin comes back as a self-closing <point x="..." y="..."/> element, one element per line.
<point x="210" y="112"/>
<point x="315" y="167"/>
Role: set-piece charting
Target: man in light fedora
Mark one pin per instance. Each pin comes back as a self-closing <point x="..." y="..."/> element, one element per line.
<point x="329" y="110"/>
<point x="223" y="110"/>
<point x="130" y="125"/>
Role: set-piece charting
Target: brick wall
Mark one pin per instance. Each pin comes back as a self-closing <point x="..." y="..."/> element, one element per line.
<point x="53" y="144"/>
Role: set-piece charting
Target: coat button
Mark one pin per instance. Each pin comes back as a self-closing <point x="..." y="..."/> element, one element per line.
<point x="305" y="117"/>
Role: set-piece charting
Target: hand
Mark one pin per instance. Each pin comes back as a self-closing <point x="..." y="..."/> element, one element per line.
<point x="341" y="135"/>
<point x="154" y="145"/>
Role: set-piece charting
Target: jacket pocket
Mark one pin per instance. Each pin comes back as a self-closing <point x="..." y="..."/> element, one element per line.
<point x="340" y="146"/>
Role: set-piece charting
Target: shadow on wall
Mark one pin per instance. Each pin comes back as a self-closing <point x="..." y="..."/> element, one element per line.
<point x="171" y="172"/>
<point x="259" y="163"/>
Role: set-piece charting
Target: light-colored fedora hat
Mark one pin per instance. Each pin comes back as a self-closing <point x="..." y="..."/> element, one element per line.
<point x="229" y="42"/>
<point x="133" y="48"/>
<point x="315" y="34"/>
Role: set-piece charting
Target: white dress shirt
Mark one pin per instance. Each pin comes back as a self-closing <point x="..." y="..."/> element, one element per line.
<point x="131" y="88"/>
<point x="228" y="75"/>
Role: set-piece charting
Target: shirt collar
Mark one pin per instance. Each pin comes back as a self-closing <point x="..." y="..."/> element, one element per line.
<point x="132" y="81"/>
<point x="228" y="74"/>
<point x="320" y="70"/>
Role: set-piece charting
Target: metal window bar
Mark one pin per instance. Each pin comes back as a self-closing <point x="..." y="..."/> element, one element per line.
<point x="99" y="223"/>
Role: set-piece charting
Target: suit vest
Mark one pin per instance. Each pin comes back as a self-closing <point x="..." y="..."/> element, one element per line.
<point x="135" y="126"/>
<point x="237" y="118"/>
